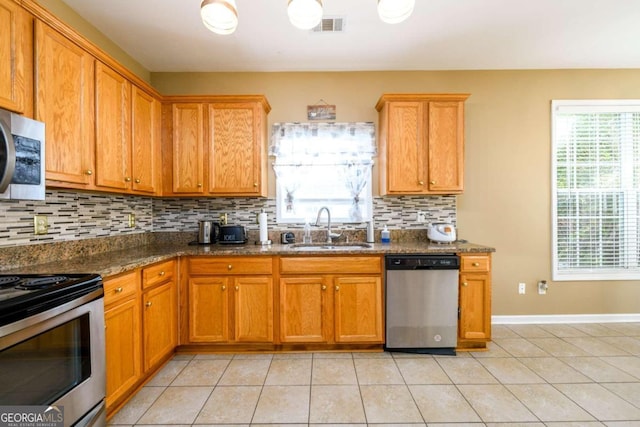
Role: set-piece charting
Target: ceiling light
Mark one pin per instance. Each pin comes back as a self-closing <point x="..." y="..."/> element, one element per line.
<point x="219" y="16"/>
<point x="305" y="14"/>
<point x="394" y="11"/>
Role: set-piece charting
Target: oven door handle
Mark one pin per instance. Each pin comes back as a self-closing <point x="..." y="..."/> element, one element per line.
<point x="7" y="156"/>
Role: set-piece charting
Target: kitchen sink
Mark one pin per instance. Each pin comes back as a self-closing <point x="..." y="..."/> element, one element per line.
<point x="330" y="246"/>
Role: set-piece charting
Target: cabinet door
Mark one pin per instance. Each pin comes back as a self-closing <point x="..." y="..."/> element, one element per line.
<point x="253" y="309"/>
<point x="475" y="306"/>
<point x="188" y="153"/>
<point x="235" y="149"/>
<point x="64" y="101"/>
<point x="446" y="142"/>
<point x="145" y="146"/>
<point x="358" y="309"/>
<point x="122" y="344"/>
<point x="406" y="147"/>
<point x="209" y="309"/>
<point x="16" y="50"/>
<point x="113" y="133"/>
<point x="159" y="323"/>
<point x="305" y="314"/>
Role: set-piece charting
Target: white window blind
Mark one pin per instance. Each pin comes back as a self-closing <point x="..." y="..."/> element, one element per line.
<point x="323" y="164"/>
<point x="596" y="190"/>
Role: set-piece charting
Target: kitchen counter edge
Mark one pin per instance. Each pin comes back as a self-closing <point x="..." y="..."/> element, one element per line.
<point x="112" y="263"/>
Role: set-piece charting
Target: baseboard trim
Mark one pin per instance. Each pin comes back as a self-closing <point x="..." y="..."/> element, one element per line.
<point x="565" y="318"/>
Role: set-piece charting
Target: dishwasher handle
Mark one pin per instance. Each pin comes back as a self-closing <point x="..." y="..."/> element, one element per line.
<point x="423" y="262"/>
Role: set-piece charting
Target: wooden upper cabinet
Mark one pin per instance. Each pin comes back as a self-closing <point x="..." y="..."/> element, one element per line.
<point x="188" y="148"/>
<point x="236" y="149"/>
<point x="216" y="145"/>
<point x="65" y="102"/>
<point x="16" y="58"/>
<point x="145" y="141"/>
<point x="113" y="132"/>
<point x="421" y="142"/>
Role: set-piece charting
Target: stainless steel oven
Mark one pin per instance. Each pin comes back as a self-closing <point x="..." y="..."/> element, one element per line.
<point x="52" y="345"/>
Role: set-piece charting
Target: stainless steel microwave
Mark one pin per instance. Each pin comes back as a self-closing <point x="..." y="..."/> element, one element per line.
<point x="22" y="157"/>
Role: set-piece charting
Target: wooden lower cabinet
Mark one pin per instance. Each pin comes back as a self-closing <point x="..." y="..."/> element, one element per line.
<point x="122" y="336"/>
<point x="474" y="324"/>
<point x="141" y="319"/>
<point x="159" y="324"/>
<point x="233" y="307"/>
<point x="331" y="308"/>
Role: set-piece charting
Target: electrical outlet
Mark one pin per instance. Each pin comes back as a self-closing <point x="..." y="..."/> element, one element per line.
<point x="542" y="287"/>
<point x="132" y="220"/>
<point x="421" y="216"/>
<point x="40" y="224"/>
<point x="522" y="288"/>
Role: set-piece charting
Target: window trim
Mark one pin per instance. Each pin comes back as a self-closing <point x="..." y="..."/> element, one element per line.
<point x="593" y="105"/>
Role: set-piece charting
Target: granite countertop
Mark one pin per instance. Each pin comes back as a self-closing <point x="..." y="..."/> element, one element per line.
<point x="115" y="262"/>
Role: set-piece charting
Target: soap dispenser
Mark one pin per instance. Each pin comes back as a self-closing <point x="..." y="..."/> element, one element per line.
<point x="385" y="235"/>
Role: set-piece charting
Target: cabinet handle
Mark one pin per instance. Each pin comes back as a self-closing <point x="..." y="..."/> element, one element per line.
<point x="224" y="288"/>
<point x="162" y="273"/>
<point x="324" y="287"/>
<point x="475" y="264"/>
<point x="421" y="182"/>
<point x="137" y="180"/>
<point x="229" y="267"/>
<point x="88" y="172"/>
<point x="337" y="288"/>
<point x="118" y="290"/>
<point x="127" y="179"/>
<point x="433" y="183"/>
<point x="237" y="288"/>
<point x="465" y="284"/>
<point x="148" y="304"/>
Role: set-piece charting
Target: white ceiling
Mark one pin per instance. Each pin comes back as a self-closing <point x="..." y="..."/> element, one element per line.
<point x="167" y="35"/>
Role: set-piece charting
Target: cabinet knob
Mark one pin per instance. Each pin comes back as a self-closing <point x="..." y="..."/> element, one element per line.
<point x="324" y="287"/>
<point x="224" y="288"/>
<point x="148" y="304"/>
<point x="475" y="264"/>
<point x="229" y="267"/>
<point x="237" y="288"/>
<point x="199" y="185"/>
<point x="337" y="288"/>
<point x="88" y="172"/>
<point x="137" y="180"/>
<point x="421" y="182"/>
<point x="433" y="182"/>
<point x="118" y="290"/>
<point x="465" y="284"/>
<point x="162" y="273"/>
<point x="127" y="179"/>
<point x="255" y="184"/>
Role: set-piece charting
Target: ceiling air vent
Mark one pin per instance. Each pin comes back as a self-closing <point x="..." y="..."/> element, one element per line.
<point x="329" y="25"/>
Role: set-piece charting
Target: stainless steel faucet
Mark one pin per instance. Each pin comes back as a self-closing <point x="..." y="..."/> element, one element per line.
<point x="330" y="235"/>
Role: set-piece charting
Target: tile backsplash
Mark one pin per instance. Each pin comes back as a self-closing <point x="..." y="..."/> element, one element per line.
<point x="75" y="215"/>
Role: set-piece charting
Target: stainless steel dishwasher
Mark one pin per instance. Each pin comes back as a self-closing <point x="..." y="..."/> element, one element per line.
<point x="422" y="303"/>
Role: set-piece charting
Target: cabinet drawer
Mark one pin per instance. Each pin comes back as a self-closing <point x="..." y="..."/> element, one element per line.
<point x="230" y="265"/>
<point x="158" y="273"/>
<point x="475" y="263"/>
<point x="324" y="265"/>
<point x="121" y="287"/>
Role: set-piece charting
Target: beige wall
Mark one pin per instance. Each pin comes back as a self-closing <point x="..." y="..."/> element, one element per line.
<point x="71" y="18"/>
<point x="506" y="203"/>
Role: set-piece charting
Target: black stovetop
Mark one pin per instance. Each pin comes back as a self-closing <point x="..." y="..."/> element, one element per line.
<point x="22" y="295"/>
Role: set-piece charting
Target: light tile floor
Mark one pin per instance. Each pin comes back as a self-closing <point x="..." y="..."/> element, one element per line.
<point x="533" y="375"/>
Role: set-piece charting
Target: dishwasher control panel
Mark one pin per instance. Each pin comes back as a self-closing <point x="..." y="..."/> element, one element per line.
<point x="423" y="262"/>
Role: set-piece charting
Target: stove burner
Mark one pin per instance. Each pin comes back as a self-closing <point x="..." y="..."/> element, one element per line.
<point x="8" y="281"/>
<point x="42" y="282"/>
